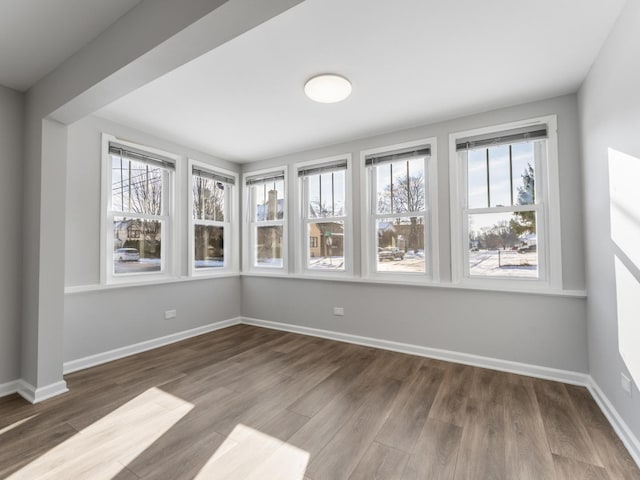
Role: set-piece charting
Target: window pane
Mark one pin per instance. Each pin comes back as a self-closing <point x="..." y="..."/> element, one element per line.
<point x="326" y="246"/>
<point x="137" y="245"/>
<point x="523" y="173"/>
<point x="136" y="186"/>
<point x="326" y="194"/>
<point x="499" y="179"/>
<point x="401" y="186"/>
<point x="503" y="244"/>
<point x="208" y="199"/>
<point x="269" y="246"/>
<point x="477" y="178"/>
<point x="400" y="245"/>
<point x="268" y="199"/>
<point x="208" y="246"/>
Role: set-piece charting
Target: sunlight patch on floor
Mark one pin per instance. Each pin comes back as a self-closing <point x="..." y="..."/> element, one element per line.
<point x="250" y="454"/>
<point x="101" y="450"/>
<point x="16" y="424"/>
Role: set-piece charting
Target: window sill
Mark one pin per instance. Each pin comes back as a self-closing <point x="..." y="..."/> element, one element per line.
<point x="135" y="284"/>
<point x="424" y="284"/>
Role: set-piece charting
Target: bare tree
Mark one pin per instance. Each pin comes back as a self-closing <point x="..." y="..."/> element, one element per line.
<point x="208" y="204"/>
<point x="139" y="190"/>
<point x="208" y="199"/>
<point x="405" y="194"/>
<point x="499" y="235"/>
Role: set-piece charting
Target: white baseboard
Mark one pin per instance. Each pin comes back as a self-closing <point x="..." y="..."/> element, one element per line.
<point x="575" y="378"/>
<point x="565" y="376"/>
<point x="9" y="388"/>
<point x="619" y="425"/>
<point x="37" y="395"/>
<point x="115" y="354"/>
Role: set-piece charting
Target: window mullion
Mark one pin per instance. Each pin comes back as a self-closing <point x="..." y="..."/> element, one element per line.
<point x="515" y="208"/>
<point x="143" y="216"/>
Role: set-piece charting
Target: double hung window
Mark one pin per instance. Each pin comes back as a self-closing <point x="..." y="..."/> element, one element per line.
<point x="266" y="201"/>
<point x="211" y="212"/>
<point x="401" y="203"/>
<point x="501" y="207"/>
<point x="324" y="188"/>
<point x="139" y="206"/>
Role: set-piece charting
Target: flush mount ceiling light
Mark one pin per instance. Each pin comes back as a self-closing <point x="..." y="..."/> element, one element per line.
<point x="327" y="88"/>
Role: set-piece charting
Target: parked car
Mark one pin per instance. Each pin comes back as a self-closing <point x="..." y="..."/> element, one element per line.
<point x="390" y="253"/>
<point x="127" y="255"/>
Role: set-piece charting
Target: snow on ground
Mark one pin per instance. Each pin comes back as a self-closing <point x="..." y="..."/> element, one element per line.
<point x="326" y="263"/>
<point x="142" y="265"/>
<point x="412" y="262"/>
<point x="492" y="263"/>
<point x="503" y="263"/>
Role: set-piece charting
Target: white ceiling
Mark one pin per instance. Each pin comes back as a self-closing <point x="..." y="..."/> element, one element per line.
<point x="38" y="35"/>
<point x="410" y="62"/>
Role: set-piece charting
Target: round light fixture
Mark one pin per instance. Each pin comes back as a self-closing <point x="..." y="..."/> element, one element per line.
<point x="327" y="88"/>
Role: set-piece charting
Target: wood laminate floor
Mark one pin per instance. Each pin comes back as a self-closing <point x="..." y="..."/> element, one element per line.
<point x="253" y="403"/>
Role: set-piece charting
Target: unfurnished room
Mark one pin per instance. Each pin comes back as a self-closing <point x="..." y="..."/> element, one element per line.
<point x="320" y="239"/>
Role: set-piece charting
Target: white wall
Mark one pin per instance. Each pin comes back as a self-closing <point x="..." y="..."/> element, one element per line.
<point x="541" y="330"/>
<point x="100" y="320"/>
<point x="609" y="103"/>
<point x="11" y="136"/>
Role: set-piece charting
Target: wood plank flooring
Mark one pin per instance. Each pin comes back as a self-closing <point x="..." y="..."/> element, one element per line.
<point x="253" y="403"/>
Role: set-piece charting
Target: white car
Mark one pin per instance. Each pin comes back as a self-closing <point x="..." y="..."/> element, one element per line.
<point x="127" y="255"/>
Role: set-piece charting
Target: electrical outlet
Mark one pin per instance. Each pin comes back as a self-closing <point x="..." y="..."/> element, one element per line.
<point x="626" y="383"/>
<point x="169" y="314"/>
<point x="338" y="311"/>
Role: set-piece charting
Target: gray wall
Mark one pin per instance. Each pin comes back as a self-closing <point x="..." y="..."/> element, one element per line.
<point x="97" y="321"/>
<point x="149" y="41"/>
<point x="534" y="329"/>
<point x="542" y="330"/>
<point x="11" y="136"/>
<point x="103" y="320"/>
<point x="609" y="102"/>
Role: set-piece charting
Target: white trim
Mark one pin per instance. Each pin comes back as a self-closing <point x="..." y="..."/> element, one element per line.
<point x="9" y="388"/>
<point x="621" y="428"/>
<point x="170" y="218"/>
<point x="619" y="425"/>
<point x="548" y="226"/>
<point x="547" y="373"/>
<point x="623" y="431"/>
<point x="248" y="233"/>
<point x="168" y="280"/>
<point x="301" y="237"/>
<point x="367" y="234"/>
<point x="117" y="353"/>
<point x="412" y="282"/>
<point x="37" y="395"/>
<point x="230" y="223"/>
<point x="552" y="216"/>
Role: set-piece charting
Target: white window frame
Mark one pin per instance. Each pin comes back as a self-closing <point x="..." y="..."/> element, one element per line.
<point x="250" y="225"/>
<point x="169" y="237"/>
<point x="368" y="190"/>
<point x="547" y="207"/>
<point x="303" y="220"/>
<point x="230" y="223"/>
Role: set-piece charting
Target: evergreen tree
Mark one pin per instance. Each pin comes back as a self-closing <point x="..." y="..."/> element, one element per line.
<point x="525" y="222"/>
